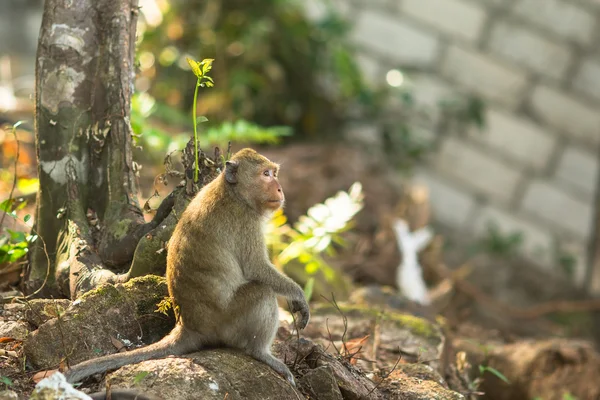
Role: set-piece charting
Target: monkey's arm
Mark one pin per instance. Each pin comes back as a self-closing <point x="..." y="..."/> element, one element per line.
<point x="282" y="285"/>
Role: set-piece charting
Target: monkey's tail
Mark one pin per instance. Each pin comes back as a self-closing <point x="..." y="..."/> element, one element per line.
<point x="179" y="341"/>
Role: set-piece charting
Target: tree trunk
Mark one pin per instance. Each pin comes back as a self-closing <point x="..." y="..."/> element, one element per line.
<point x="87" y="216"/>
<point x="593" y="271"/>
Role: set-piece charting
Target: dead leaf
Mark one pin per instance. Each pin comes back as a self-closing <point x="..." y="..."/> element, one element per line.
<point x="118" y="344"/>
<point x="43" y="374"/>
<point x="353" y="348"/>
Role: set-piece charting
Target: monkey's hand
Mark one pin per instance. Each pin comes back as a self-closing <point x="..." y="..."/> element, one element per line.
<point x="302" y="306"/>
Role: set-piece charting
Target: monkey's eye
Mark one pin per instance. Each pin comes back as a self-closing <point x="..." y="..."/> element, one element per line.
<point x="267" y="173"/>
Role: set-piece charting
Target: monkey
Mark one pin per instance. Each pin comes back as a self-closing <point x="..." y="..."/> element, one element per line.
<point x="223" y="285"/>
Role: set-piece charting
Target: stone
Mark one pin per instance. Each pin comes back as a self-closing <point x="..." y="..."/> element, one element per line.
<point x="459" y="18"/>
<point x="484" y="75"/>
<point x="396" y="39"/>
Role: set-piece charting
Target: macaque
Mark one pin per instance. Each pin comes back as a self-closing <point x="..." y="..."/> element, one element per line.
<point x="219" y="274"/>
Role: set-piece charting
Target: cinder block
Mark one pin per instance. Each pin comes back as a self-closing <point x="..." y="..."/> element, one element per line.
<point x="579" y="168"/>
<point x="484" y="75"/>
<point x="526" y="47"/>
<point x="396" y="39"/>
<point x="566" y="18"/>
<point x="485" y="174"/>
<point x="459" y="18"/>
<point x="371" y="69"/>
<point x="537" y="242"/>
<point x="517" y="138"/>
<point x="317" y="9"/>
<point x="428" y="89"/>
<point x="566" y="113"/>
<point x="449" y="204"/>
<point x="587" y="79"/>
<point x="578" y="250"/>
<point x="559" y="208"/>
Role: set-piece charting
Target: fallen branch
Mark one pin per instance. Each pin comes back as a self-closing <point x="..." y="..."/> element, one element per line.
<point x="532" y="312"/>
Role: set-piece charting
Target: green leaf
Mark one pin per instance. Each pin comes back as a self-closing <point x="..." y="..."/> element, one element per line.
<point x="493" y="371"/>
<point x="139" y="377"/>
<point x="195" y="65"/>
<point x="27" y="218"/>
<point x="6" y="380"/>
<point x="201" y="119"/>
<point x="206" y="65"/>
<point x="6" y="205"/>
<point x="16" y="236"/>
<point x="21" y="205"/>
<point x="16" y="253"/>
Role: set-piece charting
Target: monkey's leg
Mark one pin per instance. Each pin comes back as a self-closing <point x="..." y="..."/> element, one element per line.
<point x="254" y="321"/>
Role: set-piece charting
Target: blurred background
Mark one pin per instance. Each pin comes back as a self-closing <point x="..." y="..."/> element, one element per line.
<point x="474" y="120"/>
<point x="480" y="115"/>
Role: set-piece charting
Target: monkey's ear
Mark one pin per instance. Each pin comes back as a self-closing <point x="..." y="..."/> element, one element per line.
<point x="231" y="168"/>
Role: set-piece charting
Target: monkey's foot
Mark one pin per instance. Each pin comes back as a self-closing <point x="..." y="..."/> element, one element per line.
<point x="277" y="365"/>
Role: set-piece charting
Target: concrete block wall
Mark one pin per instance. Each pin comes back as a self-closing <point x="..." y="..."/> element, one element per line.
<point x="536" y="63"/>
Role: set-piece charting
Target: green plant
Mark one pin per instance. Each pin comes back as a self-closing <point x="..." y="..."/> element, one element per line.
<point x="483" y="369"/>
<point x="314" y="233"/>
<point x="147" y="135"/>
<point x="499" y="243"/>
<point x="6" y="381"/>
<point x="275" y="67"/>
<point x="14" y="245"/>
<point x="565" y="258"/>
<point x="411" y="129"/>
<point x="140" y="377"/>
<point x="200" y="70"/>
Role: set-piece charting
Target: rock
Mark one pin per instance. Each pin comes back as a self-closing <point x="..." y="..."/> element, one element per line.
<point x="211" y="374"/>
<point x="418" y="339"/>
<point x="400" y="386"/>
<point x="39" y="311"/>
<point x="56" y="387"/>
<point x="120" y="312"/>
<point x="352" y="383"/>
<point x="87" y="329"/>
<point x="14" y="329"/>
<point x="13" y="311"/>
<point x="544" y="369"/>
<point x="8" y="395"/>
<point x="305" y="355"/>
<point x="321" y="384"/>
<point x="406" y="382"/>
<point x="422" y="372"/>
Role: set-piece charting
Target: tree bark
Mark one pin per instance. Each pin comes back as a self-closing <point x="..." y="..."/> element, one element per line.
<point x="87" y="216"/>
<point x="593" y="270"/>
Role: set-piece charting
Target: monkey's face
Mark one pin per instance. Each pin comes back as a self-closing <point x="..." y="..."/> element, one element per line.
<point x="273" y="193"/>
<point x="254" y="178"/>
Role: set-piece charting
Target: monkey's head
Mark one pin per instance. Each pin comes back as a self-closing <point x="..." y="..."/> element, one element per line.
<point x="254" y="178"/>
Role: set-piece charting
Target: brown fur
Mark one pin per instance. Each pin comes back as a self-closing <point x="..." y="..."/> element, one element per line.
<point x="219" y="273"/>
